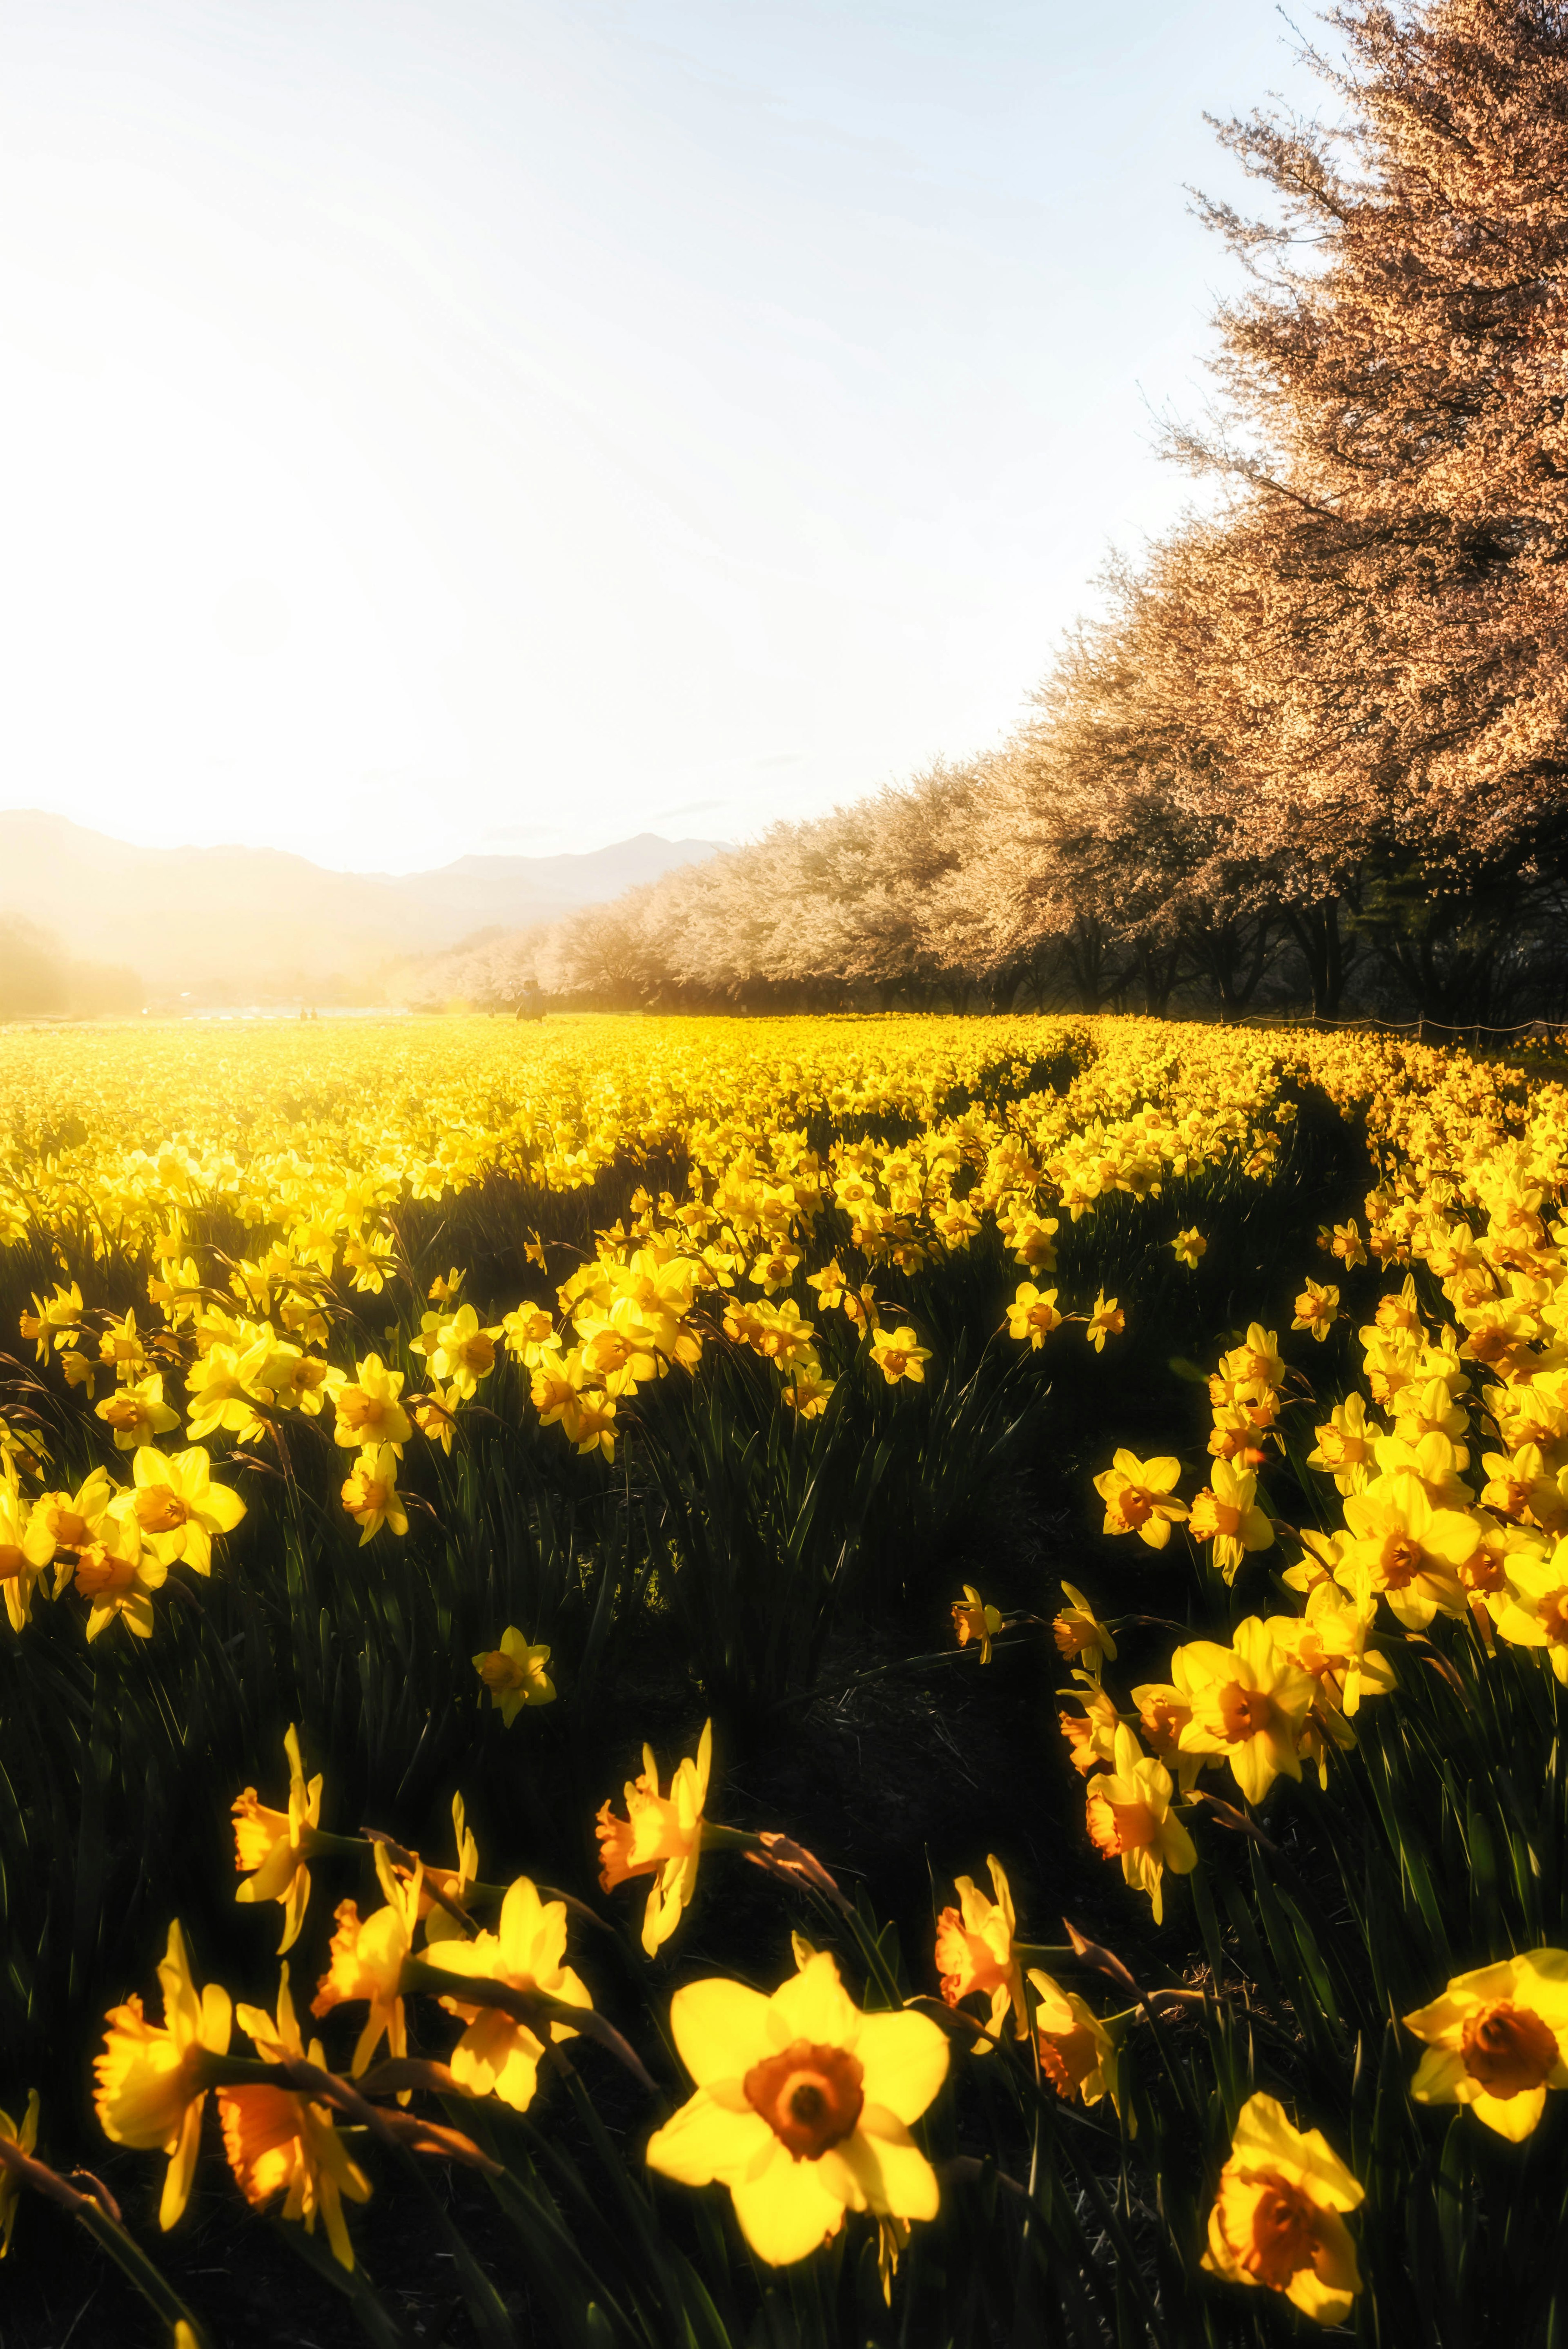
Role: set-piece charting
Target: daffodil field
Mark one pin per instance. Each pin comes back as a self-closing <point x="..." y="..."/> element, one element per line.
<point x="731" y="1683"/>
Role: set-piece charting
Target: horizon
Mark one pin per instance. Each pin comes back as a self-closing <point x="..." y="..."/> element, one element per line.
<point x="454" y="435"/>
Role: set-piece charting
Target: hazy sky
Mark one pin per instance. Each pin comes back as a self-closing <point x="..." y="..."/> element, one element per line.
<point x="512" y="424"/>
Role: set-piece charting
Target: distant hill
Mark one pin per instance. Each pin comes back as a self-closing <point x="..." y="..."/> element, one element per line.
<point x="232" y="924"/>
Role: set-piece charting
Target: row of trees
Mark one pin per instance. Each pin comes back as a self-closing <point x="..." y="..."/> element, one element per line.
<point x="1318" y="744"/>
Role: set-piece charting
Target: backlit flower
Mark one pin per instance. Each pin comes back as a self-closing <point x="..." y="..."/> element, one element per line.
<point x="273" y="1849"/>
<point x="178" y="1508"/>
<point x="366" y="1962"/>
<point x="498" y="2055"/>
<point x="1078" y="1631"/>
<point x="1077" y="2054"/>
<point x="974" y="1950"/>
<point x="279" y="2142"/>
<point x="24" y="2138"/>
<point x="152" y="2077"/>
<point x="661" y="1836"/>
<point x="1226" y="1514"/>
<point x="371" y="1496"/>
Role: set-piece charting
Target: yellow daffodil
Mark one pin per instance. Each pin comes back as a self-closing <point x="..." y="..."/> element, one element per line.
<point x="1317" y="1309"/>
<point x="661" y="1836"/>
<point x="972" y="1620"/>
<point x="463" y="1352"/>
<point x="138" y="1415"/>
<point x="68" y="1522"/>
<point x="1078" y="1632"/>
<point x="1346" y="1447"/>
<point x="498" y="2055"/>
<point x="368" y="1411"/>
<point x="1107" y="1320"/>
<point x="178" y="1508"/>
<point x="1131" y="1819"/>
<point x="366" y="1962"/>
<point x="802" y="2107"/>
<point x="1278" y="2215"/>
<point x="273" y="1849"/>
<point x="18" y="1572"/>
<point x="1138" y="1497"/>
<point x="1077" y="2054"/>
<point x="281" y="2142"/>
<point x="1033" y="1314"/>
<point x="1330" y="1641"/>
<point x="1497" y="2039"/>
<point x="974" y="1950"/>
<point x="1412" y="1552"/>
<point x="1090" y="1735"/>
<point x="1249" y="1702"/>
<point x="514" y="1672"/>
<point x="371" y="1496"/>
<point x="153" y="2079"/>
<point x="897" y="1355"/>
<point x="1226" y="1514"/>
<point x="1533" y="1609"/>
<point x="117" y="1574"/>
<point x="1188" y="1247"/>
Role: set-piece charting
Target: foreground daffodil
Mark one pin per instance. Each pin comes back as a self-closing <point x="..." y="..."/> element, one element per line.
<point x="1277" y="2218"/>
<point x="152" y="2077"/>
<point x="497" y="2053"/>
<point x="1496" y="2040"/>
<point x="661" y="1836"/>
<point x="802" y="2108"/>
<point x="178" y="1508"/>
<point x="366" y="1962"/>
<point x="279" y="2142"/>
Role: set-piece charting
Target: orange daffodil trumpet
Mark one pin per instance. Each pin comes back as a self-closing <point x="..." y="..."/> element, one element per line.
<point x="661" y="1836"/>
<point x="153" y="2079"/>
<point x="1497" y="2039"/>
<point x="1278" y="2217"/>
<point x="802" y="2107"/>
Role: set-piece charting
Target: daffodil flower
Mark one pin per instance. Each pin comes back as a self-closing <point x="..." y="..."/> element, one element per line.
<point x="278" y="2142"/>
<point x="153" y="2079"/>
<point x="1278" y="2220"/>
<point x="661" y="1836"/>
<point x="498" y="2055"/>
<point x="974" y="1950"/>
<point x="515" y="1674"/>
<point x="273" y="1849"/>
<point x="802" y="2107"/>
<point x="1497" y="2039"/>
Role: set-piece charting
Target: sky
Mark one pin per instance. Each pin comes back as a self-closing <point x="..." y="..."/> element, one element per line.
<point x="505" y="426"/>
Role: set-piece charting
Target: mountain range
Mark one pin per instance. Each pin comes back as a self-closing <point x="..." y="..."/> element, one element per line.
<point x="229" y="924"/>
